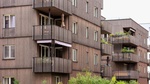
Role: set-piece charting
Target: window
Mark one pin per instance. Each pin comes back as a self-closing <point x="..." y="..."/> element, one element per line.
<point x="87" y="57"/>
<point x="58" y="79"/>
<point x="95" y="12"/>
<point x="96" y="36"/>
<point x="44" y="51"/>
<point x="74" y="54"/>
<point x="74" y="28"/>
<point x="96" y="59"/>
<point x="8" y="80"/>
<point x="87" y="33"/>
<point x="87" y="7"/>
<point x="9" y="52"/>
<point x="9" y="21"/>
<point x="74" y="3"/>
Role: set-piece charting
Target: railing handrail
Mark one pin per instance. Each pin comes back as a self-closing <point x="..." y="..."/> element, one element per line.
<point x="36" y="26"/>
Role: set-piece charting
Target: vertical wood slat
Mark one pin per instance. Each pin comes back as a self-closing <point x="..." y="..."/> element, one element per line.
<point x="58" y="33"/>
<point x="59" y="65"/>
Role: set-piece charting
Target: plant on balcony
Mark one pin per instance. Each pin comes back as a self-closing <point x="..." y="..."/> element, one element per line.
<point x="103" y="41"/>
<point x="119" y="34"/>
<point x="127" y="50"/>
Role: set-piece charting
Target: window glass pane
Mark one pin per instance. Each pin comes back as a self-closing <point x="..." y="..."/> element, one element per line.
<point x="12" y="21"/>
<point x="6" y="50"/>
<point x="12" y="51"/>
<point x="6" y="21"/>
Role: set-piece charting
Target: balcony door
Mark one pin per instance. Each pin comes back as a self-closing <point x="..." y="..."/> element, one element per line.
<point x="44" y="51"/>
<point x="43" y="19"/>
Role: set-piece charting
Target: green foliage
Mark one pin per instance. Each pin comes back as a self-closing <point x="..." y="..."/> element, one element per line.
<point x="127" y="50"/>
<point x="117" y="34"/>
<point x="88" y="78"/>
<point x="44" y="82"/>
<point x="132" y="82"/>
<point x="103" y="41"/>
<point x="16" y="81"/>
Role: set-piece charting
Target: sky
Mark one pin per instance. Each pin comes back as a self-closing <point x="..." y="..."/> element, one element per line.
<point x="138" y="10"/>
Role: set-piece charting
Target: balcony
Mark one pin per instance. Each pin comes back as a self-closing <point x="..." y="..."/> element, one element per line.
<point x="126" y="74"/>
<point x="106" y="49"/>
<point x="106" y="27"/>
<point x="53" y="65"/>
<point x="8" y="32"/>
<point x="106" y="71"/>
<point x="127" y="39"/>
<point x="125" y="57"/>
<point x="48" y="32"/>
<point x="57" y="6"/>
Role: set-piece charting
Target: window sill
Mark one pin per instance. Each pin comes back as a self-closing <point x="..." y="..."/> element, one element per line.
<point x="8" y="58"/>
<point x="75" y="61"/>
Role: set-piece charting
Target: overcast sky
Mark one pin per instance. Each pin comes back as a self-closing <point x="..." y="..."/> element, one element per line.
<point x="138" y="10"/>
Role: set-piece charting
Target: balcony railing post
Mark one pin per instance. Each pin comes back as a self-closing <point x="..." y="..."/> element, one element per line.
<point x="42" y="31"/>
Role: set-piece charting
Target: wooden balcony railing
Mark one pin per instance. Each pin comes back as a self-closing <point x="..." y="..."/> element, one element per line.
<point x="8" y="32"/>
<point x="48" y="32"/>
<point x="106" y="49"/>
<point x="106" y="27"/>
<point x="128" y="39"/>
<point x="63" y="5"/>
<point x="54" y="64"/>
<point x="125" y="57"/>
<point x="106" y="71"/>
<point x="126" y="74"/>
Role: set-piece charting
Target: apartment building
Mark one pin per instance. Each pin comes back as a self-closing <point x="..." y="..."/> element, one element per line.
<point x="128" y="60"/>
<point x="48" y="40"/>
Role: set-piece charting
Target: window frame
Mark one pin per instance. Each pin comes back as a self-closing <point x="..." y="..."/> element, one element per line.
<point x="9" y="52"/>
<point x="95" y="11"/>
<point x="74" y="28"/>
<point x="95" y="35"/>
<point x="95" y="59"/>
<point x="12" y="22"/>
<point x="87" y="32"/>
<point x="9" y="80"/>
<point x="74" y="3"/>
<point x="58" y="78"/>
<point x="74" y="55"/>
<point x="86" y="9"/>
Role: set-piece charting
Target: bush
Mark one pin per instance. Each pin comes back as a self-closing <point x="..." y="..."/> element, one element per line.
<point x="88" y="78"/>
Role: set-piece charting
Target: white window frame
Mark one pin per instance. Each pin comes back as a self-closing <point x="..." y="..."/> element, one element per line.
<point x="12" y="21"/>
<point x="74" y="27"/>
<point x="8" y="79"/>
<point x="96" y="36"/>
<point x="95" y="59"/>
<point x="87" y="32"/>
<point x="95" y="11"/>
<point x="9" y="52"/>
<point x="74" y="55"/>
<point x="87" y="57"/>
<point x="59" y="79"/>
<point x="87" y="3"/>
<point x="74" y="3"/>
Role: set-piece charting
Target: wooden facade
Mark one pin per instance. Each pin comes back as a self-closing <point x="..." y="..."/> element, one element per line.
<point x="129" y="66"/>
<point x="30" y="33"/>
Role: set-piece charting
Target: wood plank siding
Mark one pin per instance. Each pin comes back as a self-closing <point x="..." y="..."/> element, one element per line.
<point x="63" y="5"/>
<point x="46" y="32"/>
<point x="85" y="62"/>
<point x="9" y="3"/>
<point x="80" y="37"/>
<point x="80" y="10"/>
